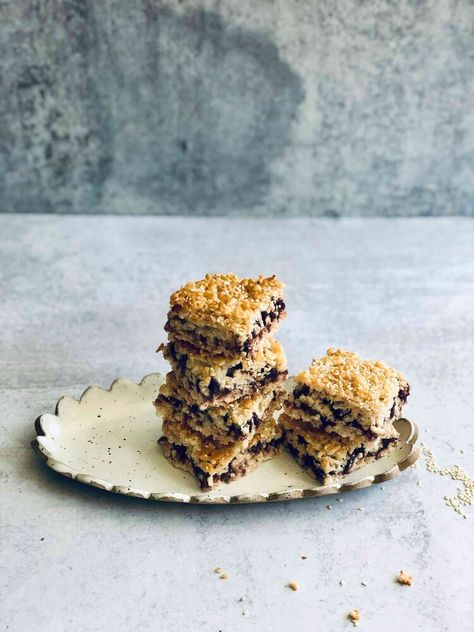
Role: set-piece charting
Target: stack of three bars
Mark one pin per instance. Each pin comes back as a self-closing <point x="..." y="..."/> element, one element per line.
<point x="341" y="412"/>
<point x="219" y="399"/>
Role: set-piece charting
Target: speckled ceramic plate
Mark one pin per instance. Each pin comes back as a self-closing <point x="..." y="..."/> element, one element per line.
<point x="107" y="439"/>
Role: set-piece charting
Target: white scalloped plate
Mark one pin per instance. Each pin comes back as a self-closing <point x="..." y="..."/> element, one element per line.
<point x="108" y="439"/>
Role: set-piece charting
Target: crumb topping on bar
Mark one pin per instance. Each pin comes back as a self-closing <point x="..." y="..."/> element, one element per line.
<point x="225" y="300"/>
<point x="344" y="376"/>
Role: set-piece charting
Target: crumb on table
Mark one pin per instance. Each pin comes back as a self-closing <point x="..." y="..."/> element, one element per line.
<point x="404" y="579"/>
<point x="293" y="585"/>
<point x="354" y="616"/>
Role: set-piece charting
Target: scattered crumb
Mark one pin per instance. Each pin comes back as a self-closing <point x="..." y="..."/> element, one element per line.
<point x="245" y="613"/>
<point x="360" y="509"/>
<point x="328" y="507"/>
<point x="243" y="598"/>
<point x="303" y="557"/>
<point x="294" y="586"/>
<point x="465" y="493"/>
<point x="363" y="584"/>
<point x="340" y="500"/>
<point x="404" y="579"/>
<point x="224" y="576"/>
<point x="341" y="582"/>
<point x="461" y="451"/>
<point x="354" y="616"/>
<point x="42" y="539"/>
<point x="218" y="570"/>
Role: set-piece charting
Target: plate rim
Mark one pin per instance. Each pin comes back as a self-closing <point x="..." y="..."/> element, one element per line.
<point x="206" y="498"/>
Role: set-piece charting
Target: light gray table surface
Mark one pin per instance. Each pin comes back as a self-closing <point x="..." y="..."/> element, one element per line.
<point x="83" y="300"/>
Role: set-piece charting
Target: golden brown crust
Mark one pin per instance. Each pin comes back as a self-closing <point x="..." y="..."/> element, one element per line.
<point x="225" y="301"/>
<point x="343" y="376"/>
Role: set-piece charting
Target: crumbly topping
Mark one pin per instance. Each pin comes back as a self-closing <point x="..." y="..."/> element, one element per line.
<point x="225" y="300"/>
<point x="354" y="616"/>
<point x="404" y="579"/>
<point x="367" y="385"/>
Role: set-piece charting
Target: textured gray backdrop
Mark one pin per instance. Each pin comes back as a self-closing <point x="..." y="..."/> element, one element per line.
<point x="324" y="107"/>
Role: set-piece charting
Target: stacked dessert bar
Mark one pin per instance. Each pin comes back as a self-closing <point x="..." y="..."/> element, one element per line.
<point x="226" y="381"/>
<point x="341" y="412"/>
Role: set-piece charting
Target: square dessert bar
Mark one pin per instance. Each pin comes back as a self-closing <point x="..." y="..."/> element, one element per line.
<point x="329" y="456"/>
<point x="223" y="423"/>
<point x="213" y="462"/>
<point x="344" y="394"/>
<point x="216" y="380"/>
<point x="224" y="315"/>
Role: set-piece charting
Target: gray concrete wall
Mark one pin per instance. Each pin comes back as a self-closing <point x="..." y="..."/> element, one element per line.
<point x="287" y="107"/>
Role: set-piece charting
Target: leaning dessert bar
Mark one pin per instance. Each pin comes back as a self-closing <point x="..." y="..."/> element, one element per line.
<point x="344" y="394"/>
<point x="341" y="412"/>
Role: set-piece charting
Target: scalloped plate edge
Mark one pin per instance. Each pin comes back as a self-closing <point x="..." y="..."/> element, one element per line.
<point x="202" y="498"/>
